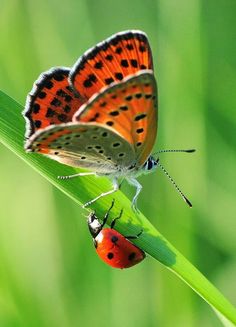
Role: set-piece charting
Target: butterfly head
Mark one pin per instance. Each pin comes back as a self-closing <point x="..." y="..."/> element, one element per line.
<point x="150" y="164"/>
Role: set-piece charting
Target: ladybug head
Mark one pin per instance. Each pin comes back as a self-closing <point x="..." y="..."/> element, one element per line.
<point x="94" y="225"/>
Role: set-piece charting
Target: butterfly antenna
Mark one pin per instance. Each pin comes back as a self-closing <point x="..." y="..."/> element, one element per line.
<point x="187" y="151"/>
<point x="175" y="185"/>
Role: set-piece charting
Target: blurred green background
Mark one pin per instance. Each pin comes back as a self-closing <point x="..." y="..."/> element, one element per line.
<point x="49" y="272"/>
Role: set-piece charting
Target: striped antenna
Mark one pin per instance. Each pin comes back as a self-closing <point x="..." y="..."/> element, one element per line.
<point x="187" y="151"/>
<point x="175" y="185"/>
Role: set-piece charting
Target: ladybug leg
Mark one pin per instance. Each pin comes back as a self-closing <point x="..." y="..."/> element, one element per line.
<point x="114" y="220"/>
<point x="107" y="214"/>
<point x="134" y="237"/>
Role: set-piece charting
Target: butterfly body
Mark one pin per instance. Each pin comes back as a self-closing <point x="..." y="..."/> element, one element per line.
<point x="100" y="115"/>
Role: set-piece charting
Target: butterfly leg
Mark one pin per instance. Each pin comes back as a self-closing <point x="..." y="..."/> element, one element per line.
<point x="115" y="188"/>
<point x="75" y="175"/>
<point x="135" y="183"/>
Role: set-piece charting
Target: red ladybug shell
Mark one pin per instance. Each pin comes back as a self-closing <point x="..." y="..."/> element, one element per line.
<point x="117" y="251"/>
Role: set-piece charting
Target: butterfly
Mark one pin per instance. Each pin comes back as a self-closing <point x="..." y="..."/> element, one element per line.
<point x="101" y="114"/>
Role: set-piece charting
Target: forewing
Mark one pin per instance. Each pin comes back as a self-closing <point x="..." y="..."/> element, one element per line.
<point x="129" y="108"/>
<point x="83" y="145"/>
<point x="112" y="60"/>
<point x="52" y="101"/>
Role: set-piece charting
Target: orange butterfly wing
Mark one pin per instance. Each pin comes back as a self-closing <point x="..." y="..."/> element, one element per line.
<point x="129" y="108"/>
<point x="112" y="60"/>
<point x="52" y="101"/>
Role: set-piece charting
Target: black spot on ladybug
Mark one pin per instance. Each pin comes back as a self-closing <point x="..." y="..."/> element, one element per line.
<point x="103" y="104"/>
<point x="110" y="255"/>
<point x="139" y="143"/>
<point x="110" y="123"/>
<point x="37" y="123"/>
<point x="114" y="239"/>
<point x="148" y="96"/>
<point x="114" y="96"/>
<point x="132" y="256"/>
<point x="138" y="95"/>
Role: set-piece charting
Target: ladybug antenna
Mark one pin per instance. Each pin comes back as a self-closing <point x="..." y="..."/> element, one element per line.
<point x="175" y="185"/>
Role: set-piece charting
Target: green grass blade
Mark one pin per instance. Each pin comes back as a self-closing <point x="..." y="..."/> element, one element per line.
<point x="12" y="127"/>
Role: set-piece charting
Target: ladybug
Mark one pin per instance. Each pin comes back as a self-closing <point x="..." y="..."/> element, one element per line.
<point x="112" y="247"/>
